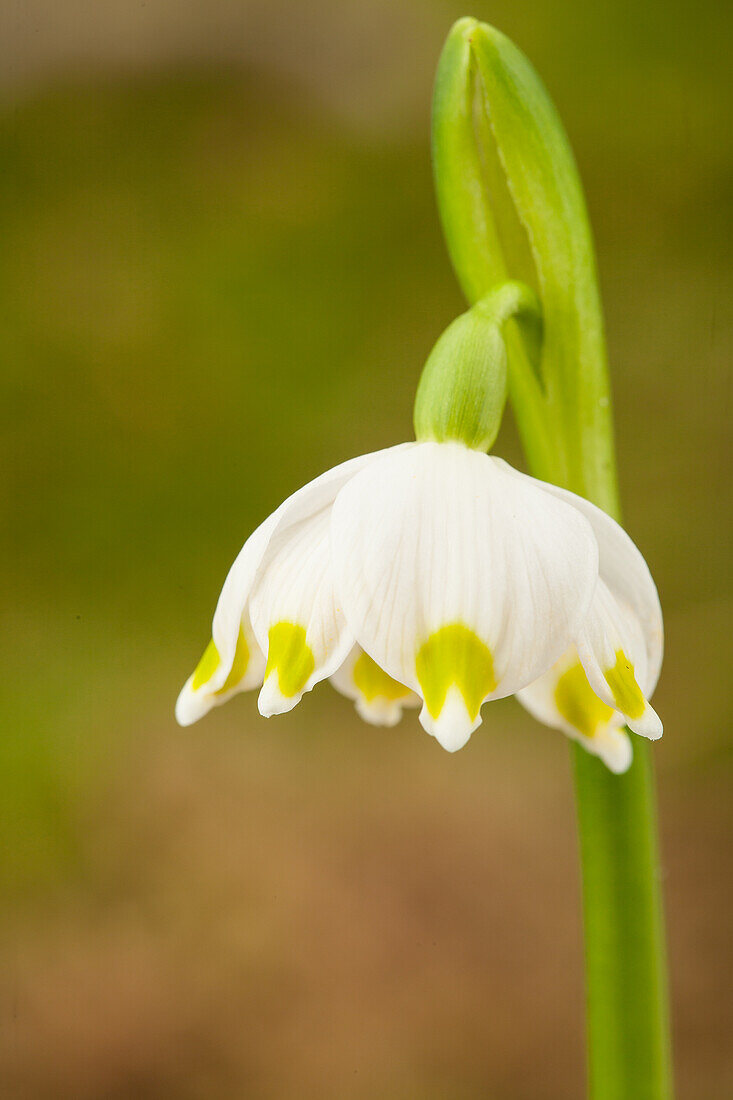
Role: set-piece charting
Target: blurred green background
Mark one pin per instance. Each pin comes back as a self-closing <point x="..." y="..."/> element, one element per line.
<point x="221" y="272"/>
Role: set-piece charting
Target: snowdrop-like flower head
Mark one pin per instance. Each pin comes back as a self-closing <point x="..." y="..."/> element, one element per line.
<point x="432" y="574"/>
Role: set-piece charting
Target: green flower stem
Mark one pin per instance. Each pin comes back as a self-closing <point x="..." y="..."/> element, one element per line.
<point x="628" y="1024"/>
<point x="512" y="208"/>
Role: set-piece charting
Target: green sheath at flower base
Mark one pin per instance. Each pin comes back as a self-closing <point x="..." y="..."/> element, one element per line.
<point x="463" y="386"/>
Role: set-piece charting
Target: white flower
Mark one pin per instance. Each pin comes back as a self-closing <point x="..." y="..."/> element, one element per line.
<point x="433" y="572"/>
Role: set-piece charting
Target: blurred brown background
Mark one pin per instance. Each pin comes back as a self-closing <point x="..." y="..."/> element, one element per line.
<point x="221" y="272"/>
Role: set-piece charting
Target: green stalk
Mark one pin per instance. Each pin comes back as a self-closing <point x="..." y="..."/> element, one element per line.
<point x="628" y="1024"/>
<point x="512" y="207"/>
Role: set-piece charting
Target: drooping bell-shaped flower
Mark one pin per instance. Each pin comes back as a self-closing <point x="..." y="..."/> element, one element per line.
<point x="434" y="574"/>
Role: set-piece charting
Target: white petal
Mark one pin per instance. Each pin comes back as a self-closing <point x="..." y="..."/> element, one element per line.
<point x="622" y="642"/>
<point x="627" y="577"/>
<point x="295" y="615"/>
<point x="306" y="502"/>
<point x="441" y="555"/>
<point x="378" y="698"/>
<point x="232" y="614"/>
<point x="612" y="649"/>
<point x="564" y="700"/>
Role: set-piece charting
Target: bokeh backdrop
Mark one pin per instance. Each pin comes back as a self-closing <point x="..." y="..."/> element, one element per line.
<point x="221" y="272"/>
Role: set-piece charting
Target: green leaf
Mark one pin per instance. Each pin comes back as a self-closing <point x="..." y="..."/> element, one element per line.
<point x="512" y="207"/>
